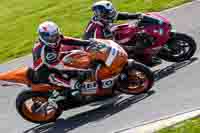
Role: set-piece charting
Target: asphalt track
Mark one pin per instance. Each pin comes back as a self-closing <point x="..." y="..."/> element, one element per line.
<point x="175" y="91"/>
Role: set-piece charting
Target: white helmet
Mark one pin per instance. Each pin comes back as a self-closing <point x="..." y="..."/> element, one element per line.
<point x="104" y="10"/>
<point x="49" y="34"/>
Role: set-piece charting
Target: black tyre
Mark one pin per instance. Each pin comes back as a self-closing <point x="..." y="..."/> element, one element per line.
<point x="139" y="79"/>
<point x="179" y="47"/>
<point x="35" y="100"/>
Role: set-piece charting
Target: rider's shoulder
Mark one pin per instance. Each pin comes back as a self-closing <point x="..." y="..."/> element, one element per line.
<point x="95" y="20"/>
<point x="38" y="44"/>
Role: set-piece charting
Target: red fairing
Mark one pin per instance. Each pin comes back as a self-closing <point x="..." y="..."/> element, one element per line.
<point x="125" y="34"/>
<point x="158" y="16"/>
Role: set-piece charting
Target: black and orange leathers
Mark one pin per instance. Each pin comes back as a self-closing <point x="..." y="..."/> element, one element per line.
<point x="46" y="59"/>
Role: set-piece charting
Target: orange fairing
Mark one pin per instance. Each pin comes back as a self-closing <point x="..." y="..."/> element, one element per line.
<point x="102" y="54"/>
<point x="18" y="75"/>
<point x="44" y="87"/>
<point x="77" y="59"/>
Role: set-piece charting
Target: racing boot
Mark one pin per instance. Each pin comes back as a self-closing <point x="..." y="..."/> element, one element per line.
<point x="154" y="61"/>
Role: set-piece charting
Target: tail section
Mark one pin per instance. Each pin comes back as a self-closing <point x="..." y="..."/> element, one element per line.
<point x="18" y="75"/>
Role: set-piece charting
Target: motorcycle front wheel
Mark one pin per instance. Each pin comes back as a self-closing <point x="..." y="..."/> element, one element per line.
<point x="33" y="106"/>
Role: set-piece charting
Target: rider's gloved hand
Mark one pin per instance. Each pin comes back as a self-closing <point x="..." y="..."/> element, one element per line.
<point x="142" y="15"/>
<point x="93" y="44"/>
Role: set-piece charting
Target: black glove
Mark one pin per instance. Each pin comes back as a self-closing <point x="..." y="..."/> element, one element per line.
<point x="141" y="16"/>
<point x="92" y="45"/>
<point x="93" y="42"/>
<point x="83" y="75"/>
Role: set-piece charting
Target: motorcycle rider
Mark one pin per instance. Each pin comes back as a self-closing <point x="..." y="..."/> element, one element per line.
<point x="99" y="27"/>
<point x="47" y="56"/>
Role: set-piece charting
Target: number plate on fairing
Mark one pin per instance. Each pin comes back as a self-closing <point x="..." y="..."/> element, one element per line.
<point x="91" y="87"/>
<point x="86" y="87"/>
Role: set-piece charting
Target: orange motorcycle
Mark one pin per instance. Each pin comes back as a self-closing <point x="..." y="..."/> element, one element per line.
<point x="113" y="72"/>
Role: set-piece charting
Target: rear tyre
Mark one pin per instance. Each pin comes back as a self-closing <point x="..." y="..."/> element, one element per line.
<point x="136" y="79"/>
<point x="180" y="47"/>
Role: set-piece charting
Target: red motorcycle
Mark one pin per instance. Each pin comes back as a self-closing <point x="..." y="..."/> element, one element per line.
<point x="156" y="31"/>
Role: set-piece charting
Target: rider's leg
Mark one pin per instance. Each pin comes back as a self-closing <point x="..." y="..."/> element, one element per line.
<point x="62" y="82"/>
<point x="145" y="53"/>
<point x="58" y="80"/>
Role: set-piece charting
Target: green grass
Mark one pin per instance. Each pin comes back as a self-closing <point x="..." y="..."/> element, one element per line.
<point x="19" y="19"/>
<point x="189" y="126"/>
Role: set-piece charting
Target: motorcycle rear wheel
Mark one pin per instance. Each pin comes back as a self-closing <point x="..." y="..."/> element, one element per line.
<point x="136" y="79"/>
<point x="180" y="47"/>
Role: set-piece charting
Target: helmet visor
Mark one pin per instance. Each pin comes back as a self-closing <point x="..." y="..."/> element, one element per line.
<point x="50" y="38"/>
<point x="100" y="11"/>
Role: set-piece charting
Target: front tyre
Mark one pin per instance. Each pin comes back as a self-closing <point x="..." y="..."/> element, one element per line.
<point x="180" y="47"/>
<point x="33" y="106"/>
<point x="136" y="79"/>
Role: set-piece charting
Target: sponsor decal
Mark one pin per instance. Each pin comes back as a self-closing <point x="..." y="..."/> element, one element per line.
<point x="113" y="51"/>
<point x="77" y="85"/>
<point x="51" y="56"/>
<point x="92" y="86"/>
<point x="112" y="55"/>
<point x="108" y="84"/>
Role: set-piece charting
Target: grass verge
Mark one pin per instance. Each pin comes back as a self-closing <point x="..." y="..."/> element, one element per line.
<point x="20" y="18"/>
<point x="188" y="126"/>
